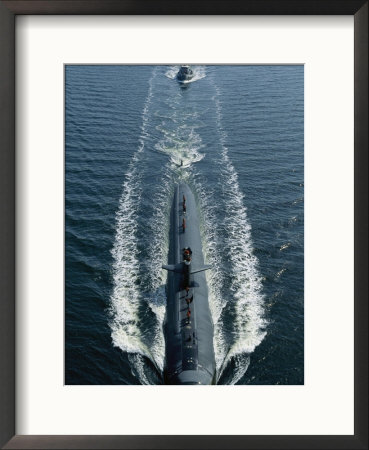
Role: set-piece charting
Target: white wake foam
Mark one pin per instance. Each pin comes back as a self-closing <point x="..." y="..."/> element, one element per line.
<point x="183" y="150"/>
<point x="138" y="366"/>
<point x="178" y="138"/>
<point x="242" y="363"/>
<point x="158" y="252"/>
<point x="125" y="298"/>
<point x="246" y="283"/>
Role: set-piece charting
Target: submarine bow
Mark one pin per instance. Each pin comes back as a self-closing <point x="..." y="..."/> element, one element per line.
<point x="188" y="326"/>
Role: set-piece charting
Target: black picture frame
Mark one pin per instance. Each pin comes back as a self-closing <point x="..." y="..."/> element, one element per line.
<point x="8" y="12"/>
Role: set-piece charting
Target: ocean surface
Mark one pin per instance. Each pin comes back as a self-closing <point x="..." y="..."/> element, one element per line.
<point x="239" y="131"/>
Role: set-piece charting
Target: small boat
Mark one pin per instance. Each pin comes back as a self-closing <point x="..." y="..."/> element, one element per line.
<point x="184" y="74"/>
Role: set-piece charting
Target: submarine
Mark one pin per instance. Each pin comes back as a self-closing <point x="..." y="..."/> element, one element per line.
<point x="188" y="325"/>
<point x="185" y="73"/>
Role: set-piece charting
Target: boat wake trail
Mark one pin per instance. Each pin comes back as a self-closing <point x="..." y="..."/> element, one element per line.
<point x="245" y="283"/>
<point x="171" y="149"/>
<point x="235" y="283"/>
<point x="183" y="148"/>
<point x="127" y="298"/>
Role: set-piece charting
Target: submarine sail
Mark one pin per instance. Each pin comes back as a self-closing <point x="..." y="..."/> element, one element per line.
<point x="188" y="326"/>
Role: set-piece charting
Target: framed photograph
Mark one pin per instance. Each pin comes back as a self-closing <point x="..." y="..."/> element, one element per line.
<point x="184" y="225"/>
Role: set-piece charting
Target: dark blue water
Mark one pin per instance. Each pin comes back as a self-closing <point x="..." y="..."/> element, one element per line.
<point x="239" y="131"/>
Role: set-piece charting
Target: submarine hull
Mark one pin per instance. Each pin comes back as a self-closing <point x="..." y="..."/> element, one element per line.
<point x="184" y="74"/>
<point x="188" y="326"/>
